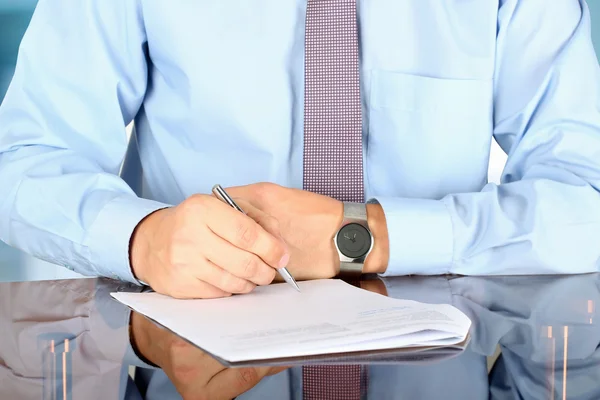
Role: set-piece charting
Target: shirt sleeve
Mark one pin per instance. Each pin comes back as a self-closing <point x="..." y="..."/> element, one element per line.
<point x="80" y="78"/>
<point x="544" y="217"/>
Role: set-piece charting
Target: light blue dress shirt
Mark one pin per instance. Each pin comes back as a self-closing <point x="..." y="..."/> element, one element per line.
<point x="216" y="92"/>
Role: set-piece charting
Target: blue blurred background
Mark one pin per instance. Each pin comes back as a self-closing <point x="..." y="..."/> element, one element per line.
<point x="14" y="18"/>
<point x="595" y="8"/>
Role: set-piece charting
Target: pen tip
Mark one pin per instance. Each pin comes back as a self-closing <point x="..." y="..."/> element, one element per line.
<point x="289" y="278"/>
<point x="294" y="284"/>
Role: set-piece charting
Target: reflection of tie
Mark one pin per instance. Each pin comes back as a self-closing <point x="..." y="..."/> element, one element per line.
<point x="332" y="146"/>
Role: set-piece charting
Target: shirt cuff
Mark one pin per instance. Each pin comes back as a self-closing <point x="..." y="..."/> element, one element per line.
<point x="109" y="322"/>
<point x="420" y="236"/>
<point x="110" y="234"/>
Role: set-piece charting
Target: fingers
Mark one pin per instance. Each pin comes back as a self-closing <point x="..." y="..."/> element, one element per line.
<point x="239" y="263"/>
<point x="268" y="222"/>
<point x="189" y="287"/>
<point x="375" y="286"/>
<point x="203" y="248"/>
<point x="190" y="369"/>
<point x="197" y="375"/>
<point x="218" y="263"/>
<point x="243" y="232"/>
<point x="232" y="382"/>
<point x="232" y="282"/>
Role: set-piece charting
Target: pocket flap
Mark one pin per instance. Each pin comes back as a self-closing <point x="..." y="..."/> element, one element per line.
<point x="420" y="93"/>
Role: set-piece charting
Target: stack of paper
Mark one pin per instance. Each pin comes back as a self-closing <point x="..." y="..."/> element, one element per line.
<point x="328" y="317"/>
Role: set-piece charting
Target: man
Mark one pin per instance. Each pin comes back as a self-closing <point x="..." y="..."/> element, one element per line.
<point x="396" y="106"/>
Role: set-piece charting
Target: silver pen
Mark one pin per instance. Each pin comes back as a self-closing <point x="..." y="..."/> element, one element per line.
<point x="222" y="195"/>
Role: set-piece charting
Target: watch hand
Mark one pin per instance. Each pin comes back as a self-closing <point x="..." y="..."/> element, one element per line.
<point x="352" y="239"/>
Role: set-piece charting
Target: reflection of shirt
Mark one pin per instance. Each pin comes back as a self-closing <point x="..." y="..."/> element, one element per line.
<point x="216" y="90"/>
<point x="33" y="313"/>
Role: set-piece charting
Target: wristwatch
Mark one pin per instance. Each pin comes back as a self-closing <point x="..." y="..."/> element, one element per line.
<point x="353" y="240"/>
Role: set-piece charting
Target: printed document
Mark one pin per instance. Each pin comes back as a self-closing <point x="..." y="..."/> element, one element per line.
<point x="327" y="316"/>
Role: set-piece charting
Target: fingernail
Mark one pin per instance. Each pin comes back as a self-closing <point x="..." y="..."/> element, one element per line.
<point x="284" y="261"/>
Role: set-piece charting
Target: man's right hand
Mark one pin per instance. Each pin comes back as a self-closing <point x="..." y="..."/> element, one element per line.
<point x="195" y="374"/>
<point x="203" y="248"/>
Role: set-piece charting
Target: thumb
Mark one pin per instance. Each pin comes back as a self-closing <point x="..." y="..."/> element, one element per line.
<point x="276" y="370"/>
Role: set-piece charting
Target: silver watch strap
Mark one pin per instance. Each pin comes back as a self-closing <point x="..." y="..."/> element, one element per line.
<point x="350" y="269"/>
<point x="355" y="211"/>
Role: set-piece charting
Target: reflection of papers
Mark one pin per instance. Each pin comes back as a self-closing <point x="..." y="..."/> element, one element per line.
<point x="394" y="356"/>
<point x="328" y="316"/>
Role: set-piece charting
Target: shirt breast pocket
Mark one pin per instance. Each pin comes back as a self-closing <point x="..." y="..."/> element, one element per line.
<point x="428" y="137"/>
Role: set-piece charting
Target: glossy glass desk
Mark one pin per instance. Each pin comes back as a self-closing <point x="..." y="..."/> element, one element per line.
<point x="70" y="340"/>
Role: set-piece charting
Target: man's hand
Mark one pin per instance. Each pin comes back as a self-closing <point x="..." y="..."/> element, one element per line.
<point x="308" y="223"/>
<point x="203" y="248"/>
<point x="375" y="286"/>
<point x="195" y="374"/>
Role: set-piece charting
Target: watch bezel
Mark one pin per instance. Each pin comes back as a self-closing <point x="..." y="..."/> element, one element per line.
<point x="352" y="220"/>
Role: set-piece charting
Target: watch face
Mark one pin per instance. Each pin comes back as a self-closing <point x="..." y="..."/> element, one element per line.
<point x="354" y="240"/>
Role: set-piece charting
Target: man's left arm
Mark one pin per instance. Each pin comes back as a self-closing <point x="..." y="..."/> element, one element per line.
<point x="545" y="216"/>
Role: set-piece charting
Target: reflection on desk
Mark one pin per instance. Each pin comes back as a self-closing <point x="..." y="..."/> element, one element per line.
<point x="70" y="339"/>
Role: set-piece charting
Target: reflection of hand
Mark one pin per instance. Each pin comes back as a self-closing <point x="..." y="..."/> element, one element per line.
<point x="195" y="374"/>
<point x="375" y="286"/>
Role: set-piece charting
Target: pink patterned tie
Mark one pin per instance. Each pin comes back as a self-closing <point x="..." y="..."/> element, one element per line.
<point x="333" y="163"/>
<point x="332" y="108"/>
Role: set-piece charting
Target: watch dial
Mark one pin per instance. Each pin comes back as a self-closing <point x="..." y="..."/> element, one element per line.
<point x="354" y="240"/>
